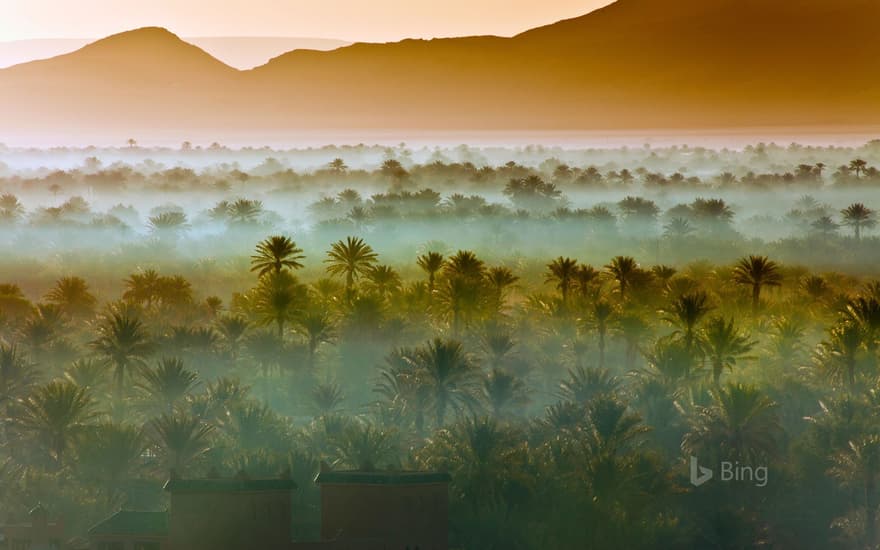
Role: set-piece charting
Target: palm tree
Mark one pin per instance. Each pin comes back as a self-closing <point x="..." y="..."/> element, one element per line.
<point x="623" y="269"/>
<point x="11" y="209"/>
<point x="166" y="384"/>
<point x="17" y="376"/>
<point x="448" y="377"/>
<point x="586" y="278"/>
<point x="600" y="318"/>
<point x="72" y="295"/>
<point x="142" y="287"/>
<point x="181" y="440"/>
<point x="825" y="226"/>
<point x="243" y="212"/>
<point x="562" y="271"/>
<point x="839" y="355"/>
<point x="431" y="263"/>
<point x="678" y="228"/>
<point x="858" y="216"/>
<point x="723" y="344"/>
<point x="585" y="384"/>
<point x="383" y="280"/>
<point x="858" y="166"/>
<point x="326" y="398"/>
<point x="686" y="312"/>
<point x="364" y="446"/>
<point x="351" y="258"/>
<point x="232" y="328"/>
<point x="757" y="272"/>
<point x="865" y="311"/>
<point x="465" y="264"/>
<point x="108" y="454"/>
<point x="505" y="393"/>
<point x="276" y="253"/>
<point x="741" y="424"/>
<point x="499" y="279"/>
<point x="123" y="342"/>
<point x="168" y="224"/>
<point x="318" y="329"/>
<point x="278" y="299"/>
<point x="858" y="466"/>
<point x="55" y="414"/>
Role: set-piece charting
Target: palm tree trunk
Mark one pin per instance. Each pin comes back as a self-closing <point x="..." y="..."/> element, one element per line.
<point x="601" y="348"/>
<point x="756" y="297"/>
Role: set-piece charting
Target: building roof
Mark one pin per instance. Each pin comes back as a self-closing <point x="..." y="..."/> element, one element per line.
<point x="358" y="477"/>
<point x="133" y="523"/>
<point x="176" y="485"/>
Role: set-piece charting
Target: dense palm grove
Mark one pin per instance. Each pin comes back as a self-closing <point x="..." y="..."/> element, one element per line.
<point x="564" y="392"/>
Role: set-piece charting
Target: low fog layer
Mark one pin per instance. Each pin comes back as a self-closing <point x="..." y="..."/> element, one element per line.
<point x="559" y="329"/>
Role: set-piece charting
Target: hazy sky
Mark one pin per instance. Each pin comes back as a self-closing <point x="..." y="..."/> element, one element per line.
<point x="369" y="20"/>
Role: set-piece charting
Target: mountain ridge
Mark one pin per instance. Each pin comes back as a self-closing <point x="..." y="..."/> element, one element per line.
<point x="634" y="64"/>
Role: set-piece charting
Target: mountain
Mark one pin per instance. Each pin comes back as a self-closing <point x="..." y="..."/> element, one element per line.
<point x="635" y="64"/>
<point x="241" y="52"/>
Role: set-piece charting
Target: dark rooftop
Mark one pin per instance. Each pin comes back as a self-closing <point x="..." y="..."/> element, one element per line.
<point x="176" y="485"/>
<point x="382" y="478"/>
<point x="133" y="523"/>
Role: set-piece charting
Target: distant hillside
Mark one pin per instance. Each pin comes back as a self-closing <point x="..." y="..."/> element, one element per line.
<point x="634" y="64"/>
<point x="241" y="52"/>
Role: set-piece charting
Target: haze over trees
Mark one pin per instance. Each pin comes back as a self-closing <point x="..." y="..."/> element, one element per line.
<point x="561" y="330"/>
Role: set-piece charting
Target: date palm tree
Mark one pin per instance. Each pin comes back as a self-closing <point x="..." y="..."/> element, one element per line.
<point x="505" y="393"/>
<point x="562" y="272"/>
<point x="741" y="424"/>
<point x="685" y="312"/>
<point x="55" y="414"/>
<point x="858" y="166"/>
<point x="365" y="446"/>
<point x="859" y="217"/>
<point x="585" y="384"/>
<point x="351" y="258"/>
<point x="858" y="466"/>
<point x="723" y="345"/>
<point x="600" y="318"/>
<point x="276" y="253"/>
<point x="318" y="328"/>
<point x="757" y="272"/>
<point x="499" y="279"/>
<point x="167" y="384"/>
<point x="383" y="280"/>
<point x="109" y="453"/>
<point x="278" y="299"/>
<point x="624" y="270"/>
<point x="17" y="376"/>
<point x="124" y="343"/>
<point x="72" y="295"/>
<point x="232" y="328"/>
<point x="839" y="356"/>
<point x="181" y="440"/>
<point x="448" y="377"/>
<point x="431" y="263"/>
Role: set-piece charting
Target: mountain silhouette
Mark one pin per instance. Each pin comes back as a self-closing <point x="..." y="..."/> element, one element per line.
<point x="635" y="64"/>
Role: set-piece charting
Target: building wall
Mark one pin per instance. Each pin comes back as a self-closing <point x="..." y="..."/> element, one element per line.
<point x="405" y="516"/>
<point x="230" y="520"/>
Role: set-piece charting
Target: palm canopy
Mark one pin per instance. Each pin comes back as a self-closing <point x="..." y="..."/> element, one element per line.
<point x="741" y="424"/>
<point x="723" y="345"/>
<point x="123" y="341"/>
<point x="276" y="253"/>
<point x="563" y="272"/>
<point x="351" y="258"/>
<point x="757" y="272"/>
<point x="55" y="414"/>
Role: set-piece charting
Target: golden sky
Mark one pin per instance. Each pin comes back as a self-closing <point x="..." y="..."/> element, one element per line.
<point x="356" y="20"/>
